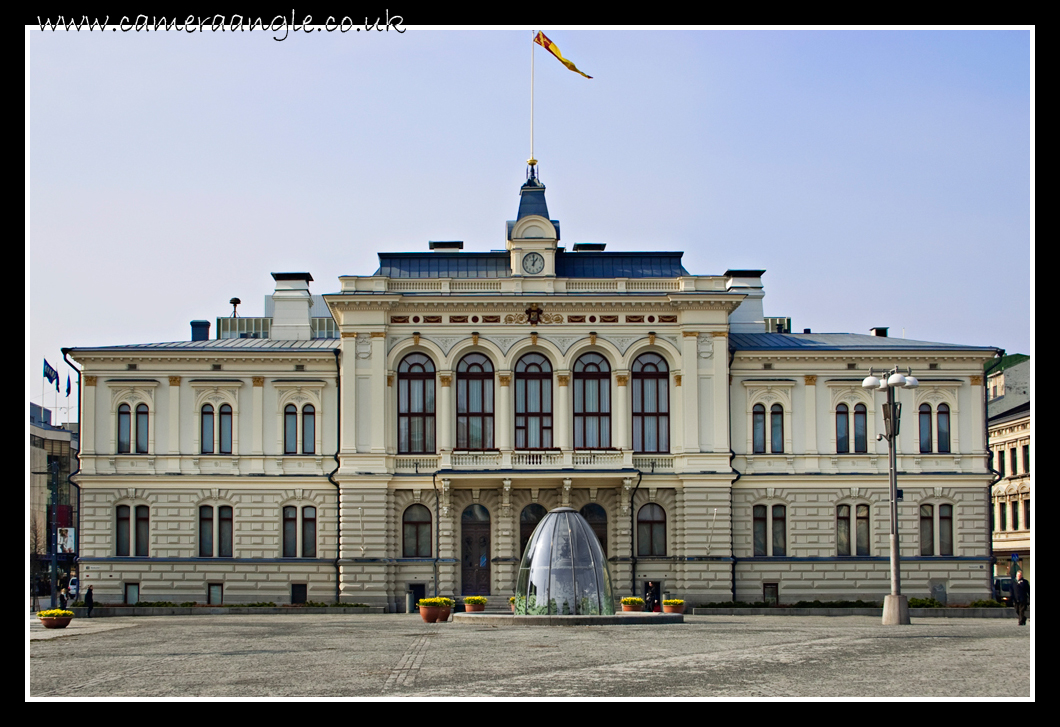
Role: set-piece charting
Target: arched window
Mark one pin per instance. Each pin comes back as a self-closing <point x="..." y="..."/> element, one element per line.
<point x="122" y="530"/>
<point x="925" y="428"/>
<point x="927" y="529"/>
<point x="309" y="532"/>
<point x="759" y="424"/>
<point x="474" y="402"/>
<point x="943" y="418"/>
<point x="124" y="430"/>
<point x="596" y="516"/>
<point x="533" y="402"/>
<point x="290" y="429"/>
<point x="416" y="532"/>
<point x="776" y="429"/>
<point x="592" y="402"/>
<point x="205" y="531"/>
<point x="528" y="520"/>
<point x="225" y="443"/>
<point x="842" y="429"/>
<point x="651" y="530"/>
<point x="765" y="520"/>
<point x="651" y="404"/>
<point x="305" y="526"/>
<point x="416" y="405"/>
<point x="206" y="433"/>
<point x="860" y="527"/>
<point x="290" y="532"/>
<point x="309" y="420"/>
<point x="861" y="439"/>
<point x="141" y="428"/>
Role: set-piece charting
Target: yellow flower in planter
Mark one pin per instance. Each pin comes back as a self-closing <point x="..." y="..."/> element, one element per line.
<point x="54" y="613"/>
<point x="475" y="600"/>
<point x="632" y="601"/>
<point x="673" y="602"/>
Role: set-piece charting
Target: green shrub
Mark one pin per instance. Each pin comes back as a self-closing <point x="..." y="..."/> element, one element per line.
<point x="188" y="604"/>
<point x="986" y="603"/>
<point x="349" y="605"/>
<point x="837" y="604"/>
<point x="924" y="603"/>
<point x="155" y="604"/>
<point x="259" y="604"/>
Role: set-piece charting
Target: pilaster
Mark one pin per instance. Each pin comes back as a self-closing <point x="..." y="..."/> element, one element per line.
<point x="720" y="398"/>
<point x="380" y="412"/>
<point x="689" y="423"/>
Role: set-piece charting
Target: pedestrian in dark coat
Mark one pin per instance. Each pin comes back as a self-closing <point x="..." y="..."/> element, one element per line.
<point x="62" y="598"/>
<point x="88" y="601"/>
<point x="649" y="597"/>
<point x="1021" y="596"/>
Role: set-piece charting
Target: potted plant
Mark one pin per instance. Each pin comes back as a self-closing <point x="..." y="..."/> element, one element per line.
<point x="632" y="603"/>
<point x="55" y="618"/>
<point x="673" y="605"/>
<point x="435" y="610"/>
<point x="511" y="603"/>
<point x="474" y="603"/>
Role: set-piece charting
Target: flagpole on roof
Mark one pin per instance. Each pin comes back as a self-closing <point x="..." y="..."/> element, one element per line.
<point x="531" y="161"/>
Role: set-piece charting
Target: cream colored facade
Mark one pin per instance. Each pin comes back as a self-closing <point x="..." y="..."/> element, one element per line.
<point x="709" y="331"/>
<point x="1010" y="441"/>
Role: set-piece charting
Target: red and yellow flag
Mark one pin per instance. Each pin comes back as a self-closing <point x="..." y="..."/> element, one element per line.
<point x="548" y="45"/>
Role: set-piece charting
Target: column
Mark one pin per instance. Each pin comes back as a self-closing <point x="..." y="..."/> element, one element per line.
<point x="257" y="414"/>
<point x="88" y="415"/>
<point x="690" y="390"/>
<point x="502" y="416"/>
<point x="561" y="413"/>
<point x="348" y="405"/>
<point x="620" y="410"/>
<point x="443" y="419"/>
<point x="810" y="426"/>
<point x="380" y="416"/>
<point x="720" y="354"/>
<point x="174" y="418"/>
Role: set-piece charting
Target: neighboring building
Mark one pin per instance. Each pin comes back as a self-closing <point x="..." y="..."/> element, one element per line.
<point x="48" y="442"/>
<point x="1009" y="421"/>
<point x="468" y="393"/>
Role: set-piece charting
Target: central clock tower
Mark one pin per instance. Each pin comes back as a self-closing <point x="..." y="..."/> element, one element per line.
<point x="532" y="236"/>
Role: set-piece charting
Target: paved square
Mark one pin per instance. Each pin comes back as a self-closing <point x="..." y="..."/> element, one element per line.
<point x="400" y="656"/>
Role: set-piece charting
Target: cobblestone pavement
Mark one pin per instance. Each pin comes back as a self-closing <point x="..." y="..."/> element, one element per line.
<point x="393" y="656"/>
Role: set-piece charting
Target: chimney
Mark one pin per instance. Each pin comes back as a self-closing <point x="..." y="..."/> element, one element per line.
<point x="200" y="330"/>
<point x="749" y="316"/>
<point x="880" y="331"/>
<point x="291" y="304"/>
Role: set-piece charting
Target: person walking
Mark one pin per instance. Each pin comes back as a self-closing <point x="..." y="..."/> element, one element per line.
<point x="1021" y="597"/>
<point x="62" y="598"/>
<point x="88" y="601"/>
<point x="649" y="597"/>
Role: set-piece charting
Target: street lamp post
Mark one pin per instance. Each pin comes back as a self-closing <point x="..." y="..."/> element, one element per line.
<point x="895" y="606"/>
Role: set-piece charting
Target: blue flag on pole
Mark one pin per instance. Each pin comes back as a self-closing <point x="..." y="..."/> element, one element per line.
<point x="68" y="384"/>
<point x="51" y="374"/>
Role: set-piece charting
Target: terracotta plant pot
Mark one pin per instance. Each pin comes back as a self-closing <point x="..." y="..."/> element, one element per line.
<point x="473" y="607"/>
<point x="56" y="622"/>
<point x="632" y="607"/>
<point x="443" y="614"/>
<point x="674" y="609"/>
<point x="429" y="613"/>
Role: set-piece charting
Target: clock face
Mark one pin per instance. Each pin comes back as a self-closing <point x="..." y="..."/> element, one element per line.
<point x="533" y="263"/>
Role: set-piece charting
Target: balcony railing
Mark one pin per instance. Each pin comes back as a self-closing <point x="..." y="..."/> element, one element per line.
<point x="537" y="459"/>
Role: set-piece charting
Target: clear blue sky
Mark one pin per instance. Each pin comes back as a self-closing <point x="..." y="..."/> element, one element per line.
<point x="879" y="177"/>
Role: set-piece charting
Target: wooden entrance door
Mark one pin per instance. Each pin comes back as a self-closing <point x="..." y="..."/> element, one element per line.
<point x="475" y="551"/>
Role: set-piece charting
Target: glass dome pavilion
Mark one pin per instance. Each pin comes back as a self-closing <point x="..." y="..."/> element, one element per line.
<point x="563" y="571"/>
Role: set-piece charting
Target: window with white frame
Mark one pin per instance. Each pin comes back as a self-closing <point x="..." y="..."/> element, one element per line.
<point x="299" y="531"/>
<point x="852" y="520"/>
<point x="770" y="532"/>
<point x="215" y="531"/>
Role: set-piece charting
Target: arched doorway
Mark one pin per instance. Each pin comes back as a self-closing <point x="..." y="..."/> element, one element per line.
<point x="475" y="551"/>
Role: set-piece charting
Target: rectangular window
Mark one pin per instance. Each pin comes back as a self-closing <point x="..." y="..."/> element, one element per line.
<point x="290" y="532"/>
<point x="927" y="530"/>
<point x="1026" y="459"/>
<point x="122" y="531"/>
<point x="779" y="531"/>
<point x="132" y="593"/>
<point x="309" y="532"/>
<point x="842" y="530"/>
<point x="124" y="430"/>
<point x="1001" y="464"/>
<point x="863" y="529"/>
<point x="760" y="529"/>
<point x="224" y="532"/>
<point x="226" y="430"/>
<point x="1003" y="513"/>
<point x="771" y="593"/>
<point x="141" y="429"/>
<point x="215" y="594"/>
<point x="205" y="531"/>
<point x="1015" y="515"/>
<point x="1012" y="461"/>
<point x="945" y="529"/>
<point x="1027" y="514"/>
<point x="143" y="523"/>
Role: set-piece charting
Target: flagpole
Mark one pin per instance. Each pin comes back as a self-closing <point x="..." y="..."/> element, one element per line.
<point x="531" y="162"/>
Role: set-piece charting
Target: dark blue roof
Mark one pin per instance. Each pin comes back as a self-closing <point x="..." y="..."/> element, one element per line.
<point x="619" y="265"/>
<point x="444" y="265"/>
<point x="532" y="199"/>
<point x="832" y="342"/>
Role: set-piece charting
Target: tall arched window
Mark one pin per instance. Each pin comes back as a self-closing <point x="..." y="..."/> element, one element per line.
<point x="416" y="405"/>
<point x="758" y="418"/>
<point x="861" y="439"/>
<point x="416" y="532"/>
<point x="299" y="531"/>
<point x="474" y="402"/>
<point x="592" y="402"/>
<point x="205" y="531"/>
<point x="776" y="429"/>
<point x="651" y="530"/>
<point x="533" y="402"/>
<point x="224" y="444"/>
<point x="309" y="532"/>
<point x="943" y="419"/>
<point x="141" y="428"/>
<point x="861" y="530"/>
<point x="290" y="532"/>
<point x="925" y="428"/>
<point x="206" y="433"/>
<point x="927" y="529"/>
<point x="528" y="520"/>
<point x="842" y="429"/>
<point x="946" y="529"/>
<point x="290" y="429"/>
<point x="596" y="516"/>
<point x="143" y="530"/>
<point x="765" y="520"/>
<point x="309" y="431"/>
<point x="780" y="530"/>
<point x="124" y="430"/>
<point x="651" y="404"/>
<point x="122" y="530"/>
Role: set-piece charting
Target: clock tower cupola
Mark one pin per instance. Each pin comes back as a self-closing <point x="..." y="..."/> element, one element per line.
<point x="532" y="236"/>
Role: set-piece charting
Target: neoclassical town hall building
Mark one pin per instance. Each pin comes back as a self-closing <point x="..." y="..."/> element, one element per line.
<point x="406" y="433"/>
